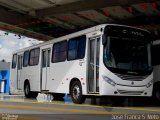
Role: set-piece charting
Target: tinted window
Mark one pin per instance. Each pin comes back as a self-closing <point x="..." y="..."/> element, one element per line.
<point x="59" y="53"/>
<point x="19" y="62"/>
<point x="44" y="58"/>
<point x="48" y="60"/>
<point x="72" y="49"/>
<point x="76" y="48"/>
<point x="34" y="57"/>
<point x="14" y="61"/>
<point x="25" y="58"/>
<point x="155" y="56"/>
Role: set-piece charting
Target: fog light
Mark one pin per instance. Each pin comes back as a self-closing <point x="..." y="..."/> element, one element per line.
<point x="145" y="93"/>
<point x="115" y="92"/>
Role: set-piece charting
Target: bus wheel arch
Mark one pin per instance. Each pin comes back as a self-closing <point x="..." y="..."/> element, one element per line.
<point x="76" y="91"/>
<point x="156" y="91"/>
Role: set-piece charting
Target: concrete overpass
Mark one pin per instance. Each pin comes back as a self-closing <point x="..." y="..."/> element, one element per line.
<point x="47" y="19"/>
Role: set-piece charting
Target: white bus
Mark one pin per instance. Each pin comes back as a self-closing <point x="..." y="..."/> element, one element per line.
<point x="105" y="60"/>
<point x="156" y="70"/>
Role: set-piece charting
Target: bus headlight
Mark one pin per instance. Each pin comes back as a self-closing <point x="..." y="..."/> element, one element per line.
<point x="149" y="84"/>
<point x="108" y="80"/>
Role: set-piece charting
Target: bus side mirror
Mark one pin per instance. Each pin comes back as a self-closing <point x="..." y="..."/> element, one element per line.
<point x="104" y="39"/>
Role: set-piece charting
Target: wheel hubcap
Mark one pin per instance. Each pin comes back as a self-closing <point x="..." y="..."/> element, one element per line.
<point x="76" y="92"/>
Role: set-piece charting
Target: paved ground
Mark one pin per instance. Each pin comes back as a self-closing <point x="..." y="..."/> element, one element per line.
<point x="18" y="108"/>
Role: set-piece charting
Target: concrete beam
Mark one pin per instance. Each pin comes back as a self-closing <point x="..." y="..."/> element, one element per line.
<point x="85" y="5"/>
<point x="14" y="18"/>
<point x="21" y="31"/>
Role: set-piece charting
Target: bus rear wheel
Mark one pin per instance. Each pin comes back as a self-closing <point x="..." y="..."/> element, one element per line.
<point x="76" y="93"/>
<point x="27" y="91"/>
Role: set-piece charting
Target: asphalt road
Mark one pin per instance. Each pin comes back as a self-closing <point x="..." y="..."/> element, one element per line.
<point x="42" y="108"/>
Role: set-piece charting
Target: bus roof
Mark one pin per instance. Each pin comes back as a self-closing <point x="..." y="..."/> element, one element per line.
<point x="76" y="34"/>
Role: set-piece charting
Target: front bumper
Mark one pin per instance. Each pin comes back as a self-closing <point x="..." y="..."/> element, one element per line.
<point x="121" y="90"/>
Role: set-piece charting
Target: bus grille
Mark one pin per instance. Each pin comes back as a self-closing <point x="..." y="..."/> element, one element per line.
<point x="130" y="92"/>
<point x="131" y="77"/>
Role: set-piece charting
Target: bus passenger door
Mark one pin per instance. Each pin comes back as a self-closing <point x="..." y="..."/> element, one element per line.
<point x="19" y="69"/>
<point x="45" y="68"/>
<point x="93" y="65"/>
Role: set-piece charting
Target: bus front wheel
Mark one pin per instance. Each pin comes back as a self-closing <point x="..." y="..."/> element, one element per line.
<point x="76" y="93"/>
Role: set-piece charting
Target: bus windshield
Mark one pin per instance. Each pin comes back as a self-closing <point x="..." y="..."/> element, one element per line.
<point x="127" y="54"/>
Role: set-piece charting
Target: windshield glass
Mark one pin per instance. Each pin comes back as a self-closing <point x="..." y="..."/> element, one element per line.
<point x="127" y="54"/>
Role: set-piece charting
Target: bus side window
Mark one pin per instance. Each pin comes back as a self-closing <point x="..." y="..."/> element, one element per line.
<point x="48" y="62"/>
<point x="81" y="47"/>
<point x="14" y="61"/>
<point x="25" y="58"/>
<point x="19" y="62"/>
<point x="43" y="58"/>
<point x="72" y="49"/>
<point x="34" y="57"/>
<point x="76" y="48"/>
<point x="59" y="52"/>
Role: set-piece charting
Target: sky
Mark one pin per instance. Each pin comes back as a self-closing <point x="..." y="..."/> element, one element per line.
<point x="10" y="42"/>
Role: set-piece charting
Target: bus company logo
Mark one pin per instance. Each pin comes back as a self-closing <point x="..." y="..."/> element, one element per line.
<point x="137" y="33"/>
<point x="132" y="83"/>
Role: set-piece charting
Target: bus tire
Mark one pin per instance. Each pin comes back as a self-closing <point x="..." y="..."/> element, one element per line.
<point x="76" y="93"/>
<point x="27" y="91"/>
